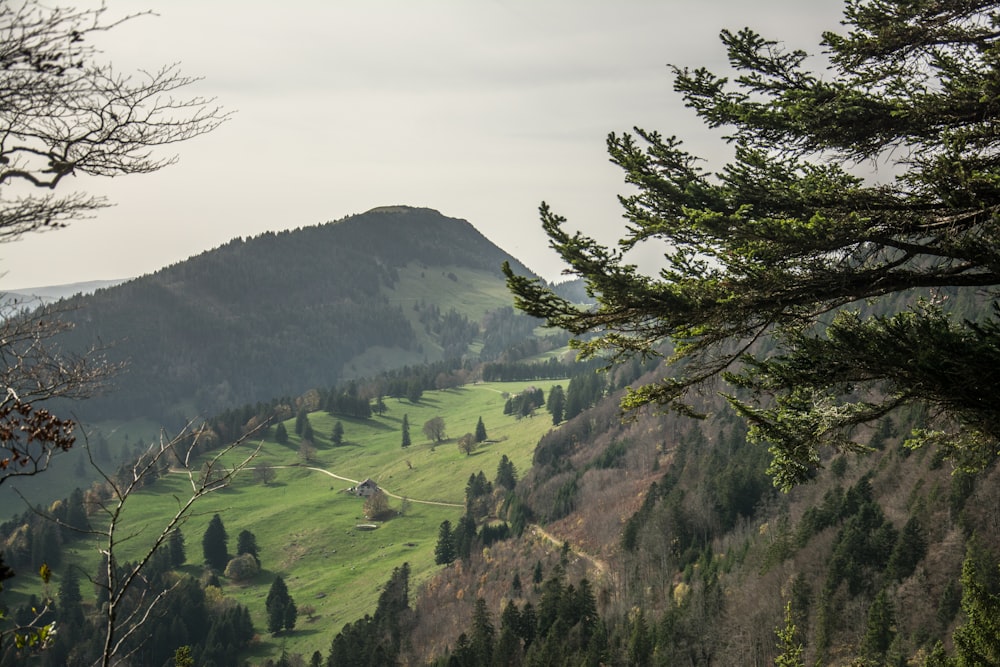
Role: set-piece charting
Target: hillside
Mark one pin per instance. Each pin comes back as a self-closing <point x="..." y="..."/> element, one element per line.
<point x="283" y="312"/>
<point x="692" y="555"/>
<point x="306" y="525"/>
<point x="655" y="541"/>
<point x="33" y="296"/>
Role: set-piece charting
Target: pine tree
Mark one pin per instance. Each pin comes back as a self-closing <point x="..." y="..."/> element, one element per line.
<point x="528" y="626"/>
<point x="463" y="536"/>
<point x="444" y="550"/>
<point x="291" y="615"/>
<point x="556" y="404"/>
<point x="586" y="609"/>
<point x="281" y="609"/>
<point x="70" y="599"/>
<point x="506" y="474"/>
<point x="76" y="511"/>
<point x="508" y="646"/>
<point x="301" y="421"/>
<point x="909" y="550"/>
<point x="483" y="634"/>
<point x="881" y="627"/>
<point x="640" y="647"/>
<point x="786" y="246"/>
<point x="977" y="641"/>
<point x="406" y="431"/>
<point x="246" y="543"/>
<point x="281" y="434"/>
<point x="214" y="544"/>
<point x="183" y="657"/>
<point x="175" y="544"/>
<point x="788" y="642"/>
<point x="337" y="437"/>
<point x="480" y="431"/>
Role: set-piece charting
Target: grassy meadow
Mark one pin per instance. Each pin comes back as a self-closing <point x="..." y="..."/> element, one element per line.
<point x="470" y="292"/>
<point x="305" y="523"/>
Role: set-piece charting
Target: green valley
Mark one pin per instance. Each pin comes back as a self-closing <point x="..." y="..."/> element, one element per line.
<point x="307" y="525"/>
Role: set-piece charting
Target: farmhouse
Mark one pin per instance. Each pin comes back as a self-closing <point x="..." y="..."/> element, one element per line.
<point x="365" y="488"/>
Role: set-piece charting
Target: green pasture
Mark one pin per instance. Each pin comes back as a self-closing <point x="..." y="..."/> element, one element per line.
<point x="306" y="524"/>
<point x="472" y="293"/>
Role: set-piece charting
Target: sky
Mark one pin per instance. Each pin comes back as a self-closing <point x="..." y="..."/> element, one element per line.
<point x="480" y="109"/>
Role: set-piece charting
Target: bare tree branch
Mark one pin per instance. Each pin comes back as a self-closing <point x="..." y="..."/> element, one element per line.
<point x="64" y="112"/>
<point x="118" y="630"/>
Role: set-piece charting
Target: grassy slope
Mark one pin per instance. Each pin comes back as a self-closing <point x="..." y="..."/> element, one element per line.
<point x="305" y="525"/>
<point x="473" y="294"/>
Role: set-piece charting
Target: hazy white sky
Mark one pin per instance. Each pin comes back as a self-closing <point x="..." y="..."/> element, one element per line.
<point x="480" y="109"/>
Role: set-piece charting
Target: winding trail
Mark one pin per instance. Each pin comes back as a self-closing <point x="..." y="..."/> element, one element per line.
<point x="384" y="490"/>
<point x="597" y="563"/>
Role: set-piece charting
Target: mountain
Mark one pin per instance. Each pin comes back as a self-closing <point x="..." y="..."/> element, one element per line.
<point x="283" y="312"/>
<point x="36" y="296"/>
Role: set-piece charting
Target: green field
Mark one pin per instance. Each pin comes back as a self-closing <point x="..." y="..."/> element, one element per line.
<point x="306" y="525"/>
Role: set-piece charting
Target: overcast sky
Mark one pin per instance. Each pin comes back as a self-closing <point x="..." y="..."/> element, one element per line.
<point x="480" y="109"/>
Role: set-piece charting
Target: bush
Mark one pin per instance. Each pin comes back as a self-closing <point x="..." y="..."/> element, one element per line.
<point x="242" y="568"/>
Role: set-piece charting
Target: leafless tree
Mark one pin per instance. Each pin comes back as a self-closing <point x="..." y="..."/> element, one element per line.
<point x="467" y="443"/>
<point x="307" y="451"/>
<point x="64" y="113"/>
<point x="377" y="506"/>
<point x="129" y="604"/>
<point x="118" y="630"/>
<point x="264" y="474"/>
<point x="434" y="429"/>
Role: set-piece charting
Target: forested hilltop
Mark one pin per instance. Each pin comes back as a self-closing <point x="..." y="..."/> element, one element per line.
<point x="282" y="312"/>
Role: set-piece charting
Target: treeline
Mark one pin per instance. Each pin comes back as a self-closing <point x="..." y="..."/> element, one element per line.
<point x="550" y="369"/>
<point x="481" y="497"/>
<point x="360" y="398"/>
<point x="510" y="335"/>
<point x="891" y="560"/>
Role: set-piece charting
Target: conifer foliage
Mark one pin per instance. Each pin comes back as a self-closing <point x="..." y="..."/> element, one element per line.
<point x="764" y="250"/>
<point x="376" y="640"/>
<point x="281" y="610"/>
<point x="215" y="544"/>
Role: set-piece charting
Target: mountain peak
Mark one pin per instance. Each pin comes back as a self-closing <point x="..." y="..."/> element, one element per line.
<point x="400" y="208"/>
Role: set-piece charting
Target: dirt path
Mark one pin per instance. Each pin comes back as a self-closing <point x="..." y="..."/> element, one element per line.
<point x="384" y="490"/>
<point x="597" y="563"/>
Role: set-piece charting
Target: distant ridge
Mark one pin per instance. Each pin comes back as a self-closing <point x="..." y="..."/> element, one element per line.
<point x="50" y="293"/>
<point x="282" y="312"/>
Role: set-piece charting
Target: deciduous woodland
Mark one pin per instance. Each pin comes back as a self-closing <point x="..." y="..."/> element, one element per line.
<point x="342" y="445"/>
